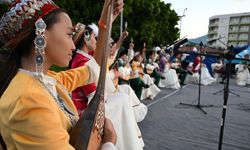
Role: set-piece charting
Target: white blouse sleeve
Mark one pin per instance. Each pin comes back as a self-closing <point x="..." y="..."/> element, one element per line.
<point x="94" y="70"/>
<point x="108" y="146"/>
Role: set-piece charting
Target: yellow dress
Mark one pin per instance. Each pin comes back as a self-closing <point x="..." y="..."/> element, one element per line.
<point x="30" y="117"/>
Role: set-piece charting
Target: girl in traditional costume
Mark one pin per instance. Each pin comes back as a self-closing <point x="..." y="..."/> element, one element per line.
<point x="118" y="104"/>
<point x="35" y="106"/>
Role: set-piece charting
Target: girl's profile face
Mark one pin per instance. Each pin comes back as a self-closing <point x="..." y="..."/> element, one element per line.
<point x="93" y="41"/>
<point x="59" y="42"/>
<point x="140" y="58"/>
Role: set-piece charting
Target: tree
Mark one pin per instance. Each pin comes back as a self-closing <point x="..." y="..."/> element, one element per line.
<point x="3" y="9"/>
<point x="150" y="21"/>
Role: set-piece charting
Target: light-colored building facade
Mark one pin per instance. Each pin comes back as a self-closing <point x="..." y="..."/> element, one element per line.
<point x="230" y="29"/>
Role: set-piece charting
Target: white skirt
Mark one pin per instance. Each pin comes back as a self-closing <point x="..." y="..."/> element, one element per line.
<point x="140" y="110"/>
<point x="206" y="78"/>
<point x="171" y="79"/>
<point x="150" y="92"/>
<point x="119" y="111"/>
<point x="242" y="75"/>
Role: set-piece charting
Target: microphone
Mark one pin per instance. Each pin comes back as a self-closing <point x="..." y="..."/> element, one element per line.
<point x="177" y="44"/>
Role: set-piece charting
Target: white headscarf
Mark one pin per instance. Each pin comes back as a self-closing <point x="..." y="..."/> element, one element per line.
<point x="94" y="28"/>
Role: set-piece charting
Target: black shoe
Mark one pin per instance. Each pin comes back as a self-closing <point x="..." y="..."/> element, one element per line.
<point x="146" y="86"/>
<point x="189" y="72"/>
<point x="182" y="84"/>
<point x="163" y="77"/>
<point x="222" y="82"/>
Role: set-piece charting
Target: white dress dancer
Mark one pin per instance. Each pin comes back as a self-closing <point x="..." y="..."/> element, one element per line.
<point x="150" y="92"/>
<point x="242" y="75"/>
<point x="140" y="110"/>
<point x="122" y="115"/>
<point x="138" y="68"/>
<point x="206" y="77"/>
<point x="118" y="109"/>
<point x="171" y="79"/>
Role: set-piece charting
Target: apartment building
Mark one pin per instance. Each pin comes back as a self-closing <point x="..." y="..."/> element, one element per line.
<point x="229" y="29"/>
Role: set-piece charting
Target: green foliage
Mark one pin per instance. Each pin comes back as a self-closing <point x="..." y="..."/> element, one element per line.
<point x="3" y="9"/>
<point x="83" y="11"/>
<point x="150" y="21"/>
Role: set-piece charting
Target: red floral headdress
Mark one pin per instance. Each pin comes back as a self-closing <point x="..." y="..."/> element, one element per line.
<point x="20" y="14"/>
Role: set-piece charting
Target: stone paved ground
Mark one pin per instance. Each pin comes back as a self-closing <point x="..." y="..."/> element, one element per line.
<point x="171" y="126"/>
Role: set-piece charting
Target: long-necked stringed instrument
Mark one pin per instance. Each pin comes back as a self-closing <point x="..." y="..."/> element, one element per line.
<point x="87" y="133"/>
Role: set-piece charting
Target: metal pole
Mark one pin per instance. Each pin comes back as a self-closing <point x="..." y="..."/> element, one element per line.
<point x="226" y="93"/>
<point x="121" y="23"/>
<point x="183" y="15"/>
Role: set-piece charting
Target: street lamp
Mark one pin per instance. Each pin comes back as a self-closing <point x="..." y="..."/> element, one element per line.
<point x="183" y="15"/>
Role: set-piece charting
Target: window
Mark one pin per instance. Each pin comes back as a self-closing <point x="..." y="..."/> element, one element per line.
<point x="245" y="19"/>
<point x="244" y="28"/>
<point x="243" y="36"/>
<point x="232" y="35"/>
<point x="235" y="20"/>
<point x="234" y="28"/>
<point x="242" y="43"/>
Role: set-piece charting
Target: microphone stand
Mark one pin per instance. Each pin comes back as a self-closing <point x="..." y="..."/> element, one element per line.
<point x="198" y="105"/>
<point x="229" y="56"/>
<point x="231" y="49"/>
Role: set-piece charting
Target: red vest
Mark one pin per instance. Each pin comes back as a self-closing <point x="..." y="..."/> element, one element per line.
<point x="196" y="65"/>
<point x="80" y="95"/>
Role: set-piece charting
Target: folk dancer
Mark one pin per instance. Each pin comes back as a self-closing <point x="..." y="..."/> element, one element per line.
<point x="128" y="135"/>
<point x="137" y="68"/>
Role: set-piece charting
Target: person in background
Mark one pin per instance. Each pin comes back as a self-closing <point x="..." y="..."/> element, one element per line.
<point x="171" y="78"/>
<point x="117" y="106"/>
<point x="131" y="51"/>
<point x="81" y="96"/>
<point x="137" y="68"/>
<point x="242" y="72"/>
<point x="152" y="68"/>
<point x="176" y="64"/>
<point x="127" y="76"/>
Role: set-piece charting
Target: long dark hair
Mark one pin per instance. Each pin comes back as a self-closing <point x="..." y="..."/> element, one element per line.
<point x="21" y="47"/>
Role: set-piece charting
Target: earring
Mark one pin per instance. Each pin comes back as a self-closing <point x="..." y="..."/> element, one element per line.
<point x="86" y="35"/>
<point x="40" y="45"/>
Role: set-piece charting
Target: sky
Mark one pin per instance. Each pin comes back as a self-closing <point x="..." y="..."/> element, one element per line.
<point x="195" y="22"/>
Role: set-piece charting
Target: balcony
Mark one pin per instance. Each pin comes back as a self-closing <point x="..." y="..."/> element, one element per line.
<point x="232" y="38"/>
<point x="233" y="31"/>
<point x="242" y="43"/>
<point x="245" y="20"/>
<point x="234" y="22"/>
<point x="244" y="31"/>
<point x="245" y="23"/>
<point x="245" y="38"/>
<point x="212" y="31"/>
<point x="214" y="24"/>
<point x="232" y="43"/>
